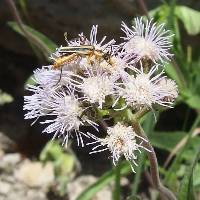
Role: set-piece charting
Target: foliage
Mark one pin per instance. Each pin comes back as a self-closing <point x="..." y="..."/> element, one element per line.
<point x="5" y="98"/>
<point x="64" y="163"/>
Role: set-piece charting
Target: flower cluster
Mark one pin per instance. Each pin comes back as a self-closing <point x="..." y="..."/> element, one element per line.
<point x="88" y="77"/>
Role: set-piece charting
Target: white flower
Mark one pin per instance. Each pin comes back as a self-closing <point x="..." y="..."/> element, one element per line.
<point x="146" y="41"/>
<point x="37" y="104"/>
<point x="49" y="77"/>
<point x="120" y="141"/>
<point x="116" y="66"/>
<point x="68" y="116"/>
<point x="168" y="89"/>
<point x="142" y="90"/>
<point x="96" y="86"/>
<point x="98" y="53"/>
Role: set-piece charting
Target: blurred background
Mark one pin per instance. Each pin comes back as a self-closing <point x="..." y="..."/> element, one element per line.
<point x="32" y="166"/>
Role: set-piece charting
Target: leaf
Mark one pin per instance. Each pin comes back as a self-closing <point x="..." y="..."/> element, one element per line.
<point x="51" y="151"/>
<point x="65" y="164"/>
<point x="45" y="41"/>
<point x="170" y="70"/>
<point x="186" y="187"/>
<point x="190" y="19"/>
<point x="170" y="139"/>
<point x="196" y="176"/>
<point x="48" y="44"/>
<point x="30" y="81"/>
<point x="104" y="180"/>
<point x="193" y="101"/>
<point x="160" y="13"/>
<point x="5" y="98"/>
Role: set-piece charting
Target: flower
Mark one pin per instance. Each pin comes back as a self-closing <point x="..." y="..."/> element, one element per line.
<point x="146" y="41"/>
<point x="116" y="66"/>
<point x="142" y="89"/>
<point x="37" y="104"/>
<point x="168" y="89"/>
<point x="52" y="78"/>
<point x="120" y="141"/>
<point x="95" y="86"/>
<point x="68" y="115"/>
<point x="62" y="107"/>
<point x="90" y="53"/>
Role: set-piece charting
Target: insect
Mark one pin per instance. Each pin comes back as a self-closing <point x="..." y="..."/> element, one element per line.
<point x="69" y="54"/>
<point x="84" y="49"/>
<point x="87" y="51"/>
<point x="60" y="61"/>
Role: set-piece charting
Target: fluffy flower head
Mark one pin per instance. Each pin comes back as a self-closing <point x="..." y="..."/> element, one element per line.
<point x="168" y="88"/>
<point x="95" y="86"/>
<point x="146" y="41"/>
<point x="120" y="141"/>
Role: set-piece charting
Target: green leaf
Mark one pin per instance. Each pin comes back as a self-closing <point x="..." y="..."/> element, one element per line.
<point x="190" y="19"/>
<point x="104" y="180"/>
<point x="160" y="13"/>
<point x="193" y="101"/>
<point x="52" y="151"/>
<point x="5" y="98"/>
<point x="103" y="113"/>
<point x="30" y="81"/>
<point x="48" y="44"/>
<point x="196" y="176"/>
<point x="65" y="164"/>
<point x="186" y="187"/>
<point x="171" y="71"/>
<point x="133" y="197"/>
<point x="170" y="139"/>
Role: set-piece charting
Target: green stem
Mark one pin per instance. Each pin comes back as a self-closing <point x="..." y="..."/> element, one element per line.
<point x="139" y="114"/>
<point x="153" y="164"/>
<point x="148" y="127"/>
<point x="138" y="174"/>
<point x="117" y="189"/>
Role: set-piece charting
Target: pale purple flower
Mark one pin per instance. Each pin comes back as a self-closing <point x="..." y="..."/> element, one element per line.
<point x="121" y="141"/>
<point x="67" y="116"/>
<point x="146" y="40"/>
<point x="95" y="86"/>
<point x="142" y="89"/>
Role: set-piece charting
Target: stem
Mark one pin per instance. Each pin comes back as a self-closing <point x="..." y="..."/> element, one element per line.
<point x="137" y="176"/>
<point x="139" y="114"/>
<point x="117" y="190"/>
<point x="179" y="72"/>
<point x="143" y="7"/>
<point x="153" y="165"/>
<point x="30" y="37"/>
<point x="148" y="127"/>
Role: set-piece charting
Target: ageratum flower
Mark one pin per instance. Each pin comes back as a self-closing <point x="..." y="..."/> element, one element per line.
<point x="95" y="86"/>
<point x="146" y="40"/>
<point x="168" y="89"/>
<point x="52" y="78"/>
<point x="67" y="116"/>
<point x="142" y="89"/>
<point x="65" y="113"/>
<point x="37" y="104"/>
<point x="121" y="140"/>
<point x="90" y="54"/>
